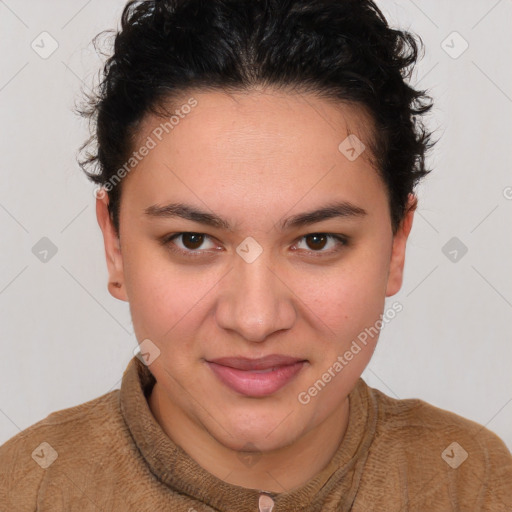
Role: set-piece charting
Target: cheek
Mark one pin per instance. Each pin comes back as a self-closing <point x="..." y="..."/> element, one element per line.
<point x="168" y="302"/>
<point x="159" y="294"/>
<point x="350" y="297"/>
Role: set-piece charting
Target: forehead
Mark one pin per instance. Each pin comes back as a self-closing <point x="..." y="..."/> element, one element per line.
<point x="259" y="145"/>
<point x="247" y="120"/>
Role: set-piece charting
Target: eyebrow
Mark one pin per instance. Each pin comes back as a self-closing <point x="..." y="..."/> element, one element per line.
<point x="343" y="209"/>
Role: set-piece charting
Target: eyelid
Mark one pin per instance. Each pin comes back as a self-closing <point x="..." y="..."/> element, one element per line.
<point x="167" y="241"/>
<point x="342" y="242"/>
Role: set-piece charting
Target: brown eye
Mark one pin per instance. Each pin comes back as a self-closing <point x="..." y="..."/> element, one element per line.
<point x="323" y="244"/>
<point x="316" y="241"/>
<point x="192" y="240"/>
<point x="189" y="244"/>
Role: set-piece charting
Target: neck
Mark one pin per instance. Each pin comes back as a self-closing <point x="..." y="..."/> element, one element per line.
<point x="278" y="471"/>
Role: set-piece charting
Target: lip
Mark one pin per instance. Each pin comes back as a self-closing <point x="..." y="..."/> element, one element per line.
<point x="256" y="377"/>
<point x="261" y="363"/>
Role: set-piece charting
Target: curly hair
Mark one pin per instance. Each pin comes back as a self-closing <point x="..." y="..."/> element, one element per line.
<point x="342" y="50"/>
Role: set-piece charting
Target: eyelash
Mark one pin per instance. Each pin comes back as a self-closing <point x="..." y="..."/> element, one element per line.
<point x="167" y="241"/>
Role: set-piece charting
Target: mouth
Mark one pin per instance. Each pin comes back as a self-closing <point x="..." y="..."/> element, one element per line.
<point x="256" y="377"/>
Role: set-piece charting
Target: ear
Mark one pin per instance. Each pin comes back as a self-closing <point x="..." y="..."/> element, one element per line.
<point x="116" y="285"/>
<point x="396" y="267"/>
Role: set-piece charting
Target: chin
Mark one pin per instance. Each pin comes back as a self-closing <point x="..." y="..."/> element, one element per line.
<point x="252" y="432"/>
<point x="256" y="442"/>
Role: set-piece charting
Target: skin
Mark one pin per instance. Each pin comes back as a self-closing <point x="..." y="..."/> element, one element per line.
<point x="255" y="158"/>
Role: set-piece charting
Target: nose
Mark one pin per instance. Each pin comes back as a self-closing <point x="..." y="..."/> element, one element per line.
<point x="256" y="300"/>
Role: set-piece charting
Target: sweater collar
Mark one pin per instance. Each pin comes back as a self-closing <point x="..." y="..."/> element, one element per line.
<point x="338" y="480"/>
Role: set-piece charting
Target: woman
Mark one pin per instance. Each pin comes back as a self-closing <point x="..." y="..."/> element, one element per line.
<point x="257" y="163"/>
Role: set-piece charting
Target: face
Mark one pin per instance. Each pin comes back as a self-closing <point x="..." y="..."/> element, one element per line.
<point x="254" y="281"/>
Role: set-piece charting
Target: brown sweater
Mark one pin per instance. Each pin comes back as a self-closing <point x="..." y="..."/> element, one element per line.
<point x="109" y="454"/>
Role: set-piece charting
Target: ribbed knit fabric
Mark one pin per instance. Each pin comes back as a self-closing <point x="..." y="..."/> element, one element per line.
<point x="110" y="454"/>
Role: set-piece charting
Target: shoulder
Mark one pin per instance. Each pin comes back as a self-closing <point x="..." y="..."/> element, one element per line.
<point x="423" y="443"/>
<point x="420" y="421"/>
<point x="66" y="437"/>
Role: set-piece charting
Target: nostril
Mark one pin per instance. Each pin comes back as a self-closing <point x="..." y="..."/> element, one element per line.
<point x="266" y="503"/>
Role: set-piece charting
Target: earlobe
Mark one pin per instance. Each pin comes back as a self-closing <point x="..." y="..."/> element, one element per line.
<point x="112" y="249"/>
<point x="397" y="263"/>
<point x="116" y="290"/>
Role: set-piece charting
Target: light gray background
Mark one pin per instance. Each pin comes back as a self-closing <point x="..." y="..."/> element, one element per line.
<point x="65" y="340"/>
